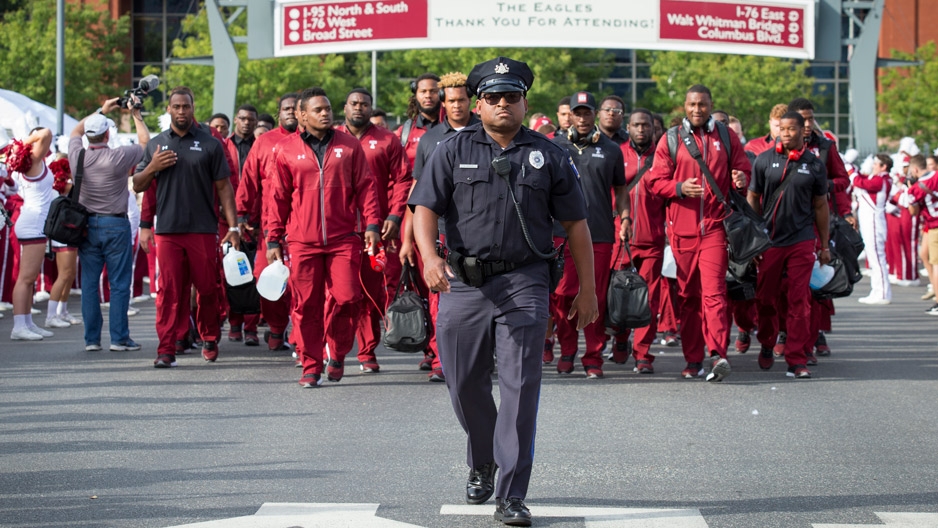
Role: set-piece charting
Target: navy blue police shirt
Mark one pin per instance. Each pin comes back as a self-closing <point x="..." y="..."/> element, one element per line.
<point x="790" y="218"/>
<point x="601" y="167"/>
<point x="459" y="184"/>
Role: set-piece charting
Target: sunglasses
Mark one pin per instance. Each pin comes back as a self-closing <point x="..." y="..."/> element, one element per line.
<point x="494" y="98"/>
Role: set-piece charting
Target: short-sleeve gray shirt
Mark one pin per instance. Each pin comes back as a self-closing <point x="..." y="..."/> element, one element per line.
<point x="106" y="170"/>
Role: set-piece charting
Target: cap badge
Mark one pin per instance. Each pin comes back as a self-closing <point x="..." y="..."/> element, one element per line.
<point x="536" y="159"/>
<point x="581" y="97"/>
<point x="501" y="68"/>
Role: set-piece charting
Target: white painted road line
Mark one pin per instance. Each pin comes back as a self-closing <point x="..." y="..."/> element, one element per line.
<point x="600" y="517"/>
<point x="894" y="519"/>
<point x="307" y="515"/>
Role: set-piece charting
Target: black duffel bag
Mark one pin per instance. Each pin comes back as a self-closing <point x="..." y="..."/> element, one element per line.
<point x="67" y="222"/>
<point x="840" y="284"/>
<point x="847" y="243"/>
<point x="741" y="280"/>
<point x="407" y="320"/>
<point x="745" y="230"/>
<point x="627" y="298"/>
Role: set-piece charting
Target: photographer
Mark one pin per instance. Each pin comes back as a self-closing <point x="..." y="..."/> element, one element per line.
<point x="104" y="194"/>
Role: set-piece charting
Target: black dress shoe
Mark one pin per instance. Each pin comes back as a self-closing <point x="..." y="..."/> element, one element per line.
<point x="481" y="483"/>
<point x="512" y="512"/>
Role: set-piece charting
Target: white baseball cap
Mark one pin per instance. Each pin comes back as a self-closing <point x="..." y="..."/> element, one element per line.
<point x="97" y="124"/>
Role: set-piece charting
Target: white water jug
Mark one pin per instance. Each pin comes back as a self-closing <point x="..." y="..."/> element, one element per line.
<point x="821" y="275"/>
<point x="237" y="268"/>
<point x="273" y="281"/>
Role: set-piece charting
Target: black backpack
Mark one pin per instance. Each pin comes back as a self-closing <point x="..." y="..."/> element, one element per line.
<point x="407" y="321"/>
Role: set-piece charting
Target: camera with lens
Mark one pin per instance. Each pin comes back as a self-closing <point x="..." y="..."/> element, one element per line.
<point x="144" y="87"/>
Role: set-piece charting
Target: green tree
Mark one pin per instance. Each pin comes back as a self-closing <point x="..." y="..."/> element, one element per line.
<point x="745" y="86"/>
<point x="908" y="102"/>
<point x="95" y="65"/>
<point x="558" y="72"/>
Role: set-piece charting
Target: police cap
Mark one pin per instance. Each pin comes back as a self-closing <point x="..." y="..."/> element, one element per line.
<point x="500" y="75"/>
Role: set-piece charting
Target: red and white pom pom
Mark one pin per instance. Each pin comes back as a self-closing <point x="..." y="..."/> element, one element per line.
<point x="61" y="174"/>
<point x="19" y="156"/>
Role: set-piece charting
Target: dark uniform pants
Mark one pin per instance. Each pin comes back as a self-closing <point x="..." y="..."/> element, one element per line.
<point x="795" y="261"/>
<point x="701" y="280"/>
<point x="505" y="317"/>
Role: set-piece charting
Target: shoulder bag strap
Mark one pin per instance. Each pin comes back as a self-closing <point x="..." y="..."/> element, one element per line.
<point x="778" y="192"/>
<point x="79" y="173"/>
<point x="405" y="132"/>
<point x="641" y="172"/>
<point x="691" y="145"/>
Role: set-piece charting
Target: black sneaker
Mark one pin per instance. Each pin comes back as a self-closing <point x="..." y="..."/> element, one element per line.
<point x="743" y="341"/>
<point x="310" y="381"/>
<point x="512" y="512"/>
<point x="933" y="310"/>
<point x="820" y="345"/>
<point x="164" y="361"/>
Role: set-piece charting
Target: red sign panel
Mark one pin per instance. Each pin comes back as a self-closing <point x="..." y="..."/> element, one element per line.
<point x="332" y="22"/>
<point x="734" y="23"/>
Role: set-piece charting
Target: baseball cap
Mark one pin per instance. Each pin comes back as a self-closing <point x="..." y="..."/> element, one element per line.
<point x="582" y="99"/>
<point x="97" y="124"/>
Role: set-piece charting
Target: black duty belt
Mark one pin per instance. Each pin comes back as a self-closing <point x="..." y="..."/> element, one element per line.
<point x="491" y="268"/>
<point x="109" y="215"/>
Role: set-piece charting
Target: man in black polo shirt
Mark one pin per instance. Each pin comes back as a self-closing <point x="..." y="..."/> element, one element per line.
<point x="188" y="167"/>
<point x="611" y="117"/>
<point x="789" y="187"/>
<point x="601" y="167"/>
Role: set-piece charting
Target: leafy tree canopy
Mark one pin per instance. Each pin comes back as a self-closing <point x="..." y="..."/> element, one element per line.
<point x="908" y="102"/>
<point x="95" y="64"/>
<point x="745" y="86"/>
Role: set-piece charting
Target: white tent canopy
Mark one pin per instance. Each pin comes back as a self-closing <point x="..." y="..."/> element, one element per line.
<point x="20" y="114"/>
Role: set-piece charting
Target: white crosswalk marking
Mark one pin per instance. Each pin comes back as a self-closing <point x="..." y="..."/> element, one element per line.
<point x="307" y="515"/>
<point x="894" y="520"/>
<point x="600" y="517"/>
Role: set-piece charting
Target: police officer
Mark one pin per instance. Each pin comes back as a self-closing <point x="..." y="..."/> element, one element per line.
<point x="495" y="279"/>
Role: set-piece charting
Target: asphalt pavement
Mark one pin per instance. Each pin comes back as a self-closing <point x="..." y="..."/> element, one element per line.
<point x="104" y="439"/>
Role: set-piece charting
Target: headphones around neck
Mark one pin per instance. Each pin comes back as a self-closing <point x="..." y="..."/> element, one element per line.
<point x="709" y="126"/>
<point x="793" y="155"/>
<point x="574" y="136"/>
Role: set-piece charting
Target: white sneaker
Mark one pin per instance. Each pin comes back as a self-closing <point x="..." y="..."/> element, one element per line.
<point x="24" y="334"/>
<point x="4" y="306"/>
<point x="70" y="319"/>
<point x="141" y="298"/>
<point x="870" y="300"/>
<point x="92" y="348"/>
<point x="131" y="311"/>
<point x="56" y="322"/>
<point x="1" y="315"/>
<point x="41" y="331"/>
<point x="41" y="297"/>
<point x="35" y="311"/>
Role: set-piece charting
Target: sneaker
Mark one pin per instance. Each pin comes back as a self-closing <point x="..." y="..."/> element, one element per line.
<point x="41" y="331"/>
<point x="743" y="341"/>
<point x="94" y="347"/>
<point x="56" y="322"/>
<point x="669" y="339"/>
<point x="872" y="300"/>
<point x="812" y="359"/>
<point x="692" y="370"/>
<point x="275" y="342"/>
<point x="427" y="362"/>
<point x="334" y="370"/>
<point x="779" y="348"/>
<point x="643" y="366"/>
<point x="933" y="310"/>
<point x="250" y="339"/>
<point x="70" y="319"/>
<point x="436" y="375"/>
<point x="182" y="347"/>
<point x="766" y="358"/>
<point x="209" y="351"/>
<point x="24" y="334"/>
<point x="164" y="361"/>
<point x="929" y="294"/>
<point x="593" y="372"/>
<point x="720" y="369"/>
<point x="298" y="363"/>
<point x="235" y="335"/>
<point x="131" y="311"/>
<point x="621" y="352"/>
<point x="565" y="365"/>
<point x="548" y="357"/>
<point x="369" y="367"/>
<point x="798" y="372"/>
<point x="820" y="345"/>
<point x="41" y="297"/>
<point x="310" y="381"/>
<point x="126" y="346"/>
